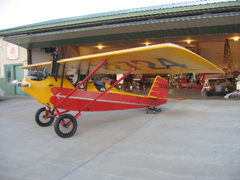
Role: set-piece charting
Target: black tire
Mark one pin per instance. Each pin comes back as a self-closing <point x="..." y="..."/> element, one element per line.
<point x="62" y="130"/>
<point x="41" y="120"/>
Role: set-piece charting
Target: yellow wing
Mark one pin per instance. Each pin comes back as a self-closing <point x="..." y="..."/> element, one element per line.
<point x="39" y="66"/>
<point x="155" y="59"/>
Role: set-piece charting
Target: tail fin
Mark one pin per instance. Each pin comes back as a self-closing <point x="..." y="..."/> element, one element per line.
<point x="159" y="88"/>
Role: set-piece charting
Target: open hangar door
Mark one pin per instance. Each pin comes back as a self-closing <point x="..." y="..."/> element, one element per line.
<point x="212" y="48"/>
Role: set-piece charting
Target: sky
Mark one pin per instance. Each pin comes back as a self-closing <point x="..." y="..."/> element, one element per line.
<point x="15" y="13"/>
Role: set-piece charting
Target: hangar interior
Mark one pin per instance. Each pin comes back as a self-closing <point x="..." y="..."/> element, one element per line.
<point x="208" y="28"/>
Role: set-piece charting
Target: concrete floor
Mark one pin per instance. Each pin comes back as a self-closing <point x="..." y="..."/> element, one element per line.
<point x="191" y="140"/>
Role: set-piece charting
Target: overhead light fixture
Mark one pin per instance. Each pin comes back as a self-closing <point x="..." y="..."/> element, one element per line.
<point x="188" y="41"/>
<point x="147" y="43"/>
<point x="236" y="38"/>
<point x="100" y="46"/>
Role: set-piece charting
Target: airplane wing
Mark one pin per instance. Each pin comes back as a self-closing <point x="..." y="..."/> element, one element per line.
<point x="155" y="59"/>
<point x="39" y="66"/>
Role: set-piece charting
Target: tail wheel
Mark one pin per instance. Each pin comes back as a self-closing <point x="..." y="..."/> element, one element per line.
<point x="40" y="118"/>
<point x="65" y="125"/>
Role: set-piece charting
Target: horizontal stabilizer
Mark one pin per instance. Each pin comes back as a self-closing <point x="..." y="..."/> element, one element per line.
<point x="178" y="99"/>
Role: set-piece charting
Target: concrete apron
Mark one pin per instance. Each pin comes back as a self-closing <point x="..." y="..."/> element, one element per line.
<point x="196" y="139"/>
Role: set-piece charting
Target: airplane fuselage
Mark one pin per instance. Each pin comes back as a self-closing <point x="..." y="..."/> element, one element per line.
<point x="49" y="92"/>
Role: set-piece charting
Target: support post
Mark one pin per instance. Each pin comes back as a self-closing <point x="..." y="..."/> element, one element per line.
<point x="87" y="80"/>
<point x="114" y="84"/>
<point x="96" y="69"/>
<point x="62" y="75"/>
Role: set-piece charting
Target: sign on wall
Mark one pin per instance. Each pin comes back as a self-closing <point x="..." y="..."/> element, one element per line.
<point x="12" y="51"/>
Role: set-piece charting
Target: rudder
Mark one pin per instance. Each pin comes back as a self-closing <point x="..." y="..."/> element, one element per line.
<point x="159" y="88"/>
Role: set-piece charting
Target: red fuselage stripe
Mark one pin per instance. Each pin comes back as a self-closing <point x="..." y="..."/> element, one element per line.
<point x="102" y="100"/>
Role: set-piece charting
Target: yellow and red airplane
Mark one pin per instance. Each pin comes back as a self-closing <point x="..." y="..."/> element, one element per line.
<point x="60" y="96"/>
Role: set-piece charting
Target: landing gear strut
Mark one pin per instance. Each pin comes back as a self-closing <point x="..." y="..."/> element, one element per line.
<point x="44" y="117"/>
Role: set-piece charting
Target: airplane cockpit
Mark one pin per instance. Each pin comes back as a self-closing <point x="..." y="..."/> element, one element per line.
<point x="100" y="85"/>
<point x="76" y="79"/>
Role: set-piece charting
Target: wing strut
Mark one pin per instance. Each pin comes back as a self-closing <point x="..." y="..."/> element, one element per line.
<point x="100" y="95"/>
<point x="87" y="80"/>
<point x="96" y="69"/>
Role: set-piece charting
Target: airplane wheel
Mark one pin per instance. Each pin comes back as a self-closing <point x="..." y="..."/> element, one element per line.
<point x="65" y="125"/>
<point x="40" y="118"/>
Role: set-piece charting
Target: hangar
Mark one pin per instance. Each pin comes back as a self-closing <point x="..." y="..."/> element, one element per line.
<point x="209" y="28"/>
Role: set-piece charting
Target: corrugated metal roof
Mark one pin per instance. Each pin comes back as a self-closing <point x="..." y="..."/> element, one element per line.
<point x="124" y="15"/>
<point x="143" y="9"/>
<point x="169" y="27"/>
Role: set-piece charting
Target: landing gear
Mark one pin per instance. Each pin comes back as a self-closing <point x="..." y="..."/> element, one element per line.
<point x="42" y="117"/>
<point x="65" y="125"/>
<point x="153" y="109"/>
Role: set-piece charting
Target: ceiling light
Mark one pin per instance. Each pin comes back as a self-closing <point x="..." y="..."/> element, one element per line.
<point x="100" y="46"/>
<point x="147" y="43"/>
<point x="188" y="41"/>
<point x="236" y="38"/>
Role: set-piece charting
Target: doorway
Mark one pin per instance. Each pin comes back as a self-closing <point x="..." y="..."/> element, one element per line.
<point x="19" y="75"/>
